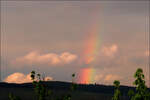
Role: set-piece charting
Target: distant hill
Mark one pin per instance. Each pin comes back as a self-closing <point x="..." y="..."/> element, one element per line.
<point x="83" y="91"/>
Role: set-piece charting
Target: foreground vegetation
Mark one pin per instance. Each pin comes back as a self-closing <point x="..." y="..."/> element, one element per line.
<point x="141" y="93"/>
<point x="43" y="93"/>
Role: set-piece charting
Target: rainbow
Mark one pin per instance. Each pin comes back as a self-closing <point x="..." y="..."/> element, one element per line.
<point x="87" y="75"/>
<point x="89" y="55"/>
<point x="91" y="46"/>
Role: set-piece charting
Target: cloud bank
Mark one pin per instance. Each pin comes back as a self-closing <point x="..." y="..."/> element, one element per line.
<point x="48" y="59"/>
<point x="21" y="78"/>
<point x="108" y="78"/>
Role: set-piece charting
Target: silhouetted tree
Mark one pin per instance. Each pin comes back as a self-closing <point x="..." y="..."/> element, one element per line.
<point x="131" y="94"/>
<point x="41" y="91"/>
<point x="142" y="93"/>
<point x="117" y="92"/>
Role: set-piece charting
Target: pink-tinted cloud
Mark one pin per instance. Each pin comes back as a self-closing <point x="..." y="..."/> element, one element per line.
<point x="111" y="77"/>
<point x="106" y="78"/>
<point x="21" y="78"/>
<point x="147" y="53"/>
<point x="110" y="51"/>
<point x="49" y="58"/>
<point x="67" y="57"/>
<point x="99" y="77"/>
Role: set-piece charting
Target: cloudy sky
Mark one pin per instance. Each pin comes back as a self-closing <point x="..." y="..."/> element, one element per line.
<point x="99" y="41"/>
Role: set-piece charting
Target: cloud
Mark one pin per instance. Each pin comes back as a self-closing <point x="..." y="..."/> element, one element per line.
<point x="48" y="78"/>
<point x="110" y="51"/>
<point x="49" y="58"/>
<point x="146" y="53"/>
<point x="106" y="78"/>
<point x="98" y="77"/>
<point x="21" y="78"/>
<point x="111" y="77"/>
<point x="67" y="57"/>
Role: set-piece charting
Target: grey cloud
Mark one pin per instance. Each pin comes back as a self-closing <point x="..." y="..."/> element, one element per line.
<point x="58" y="27"/>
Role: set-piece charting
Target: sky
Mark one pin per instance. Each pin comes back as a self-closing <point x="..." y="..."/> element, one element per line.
<point x="98" y="41"/>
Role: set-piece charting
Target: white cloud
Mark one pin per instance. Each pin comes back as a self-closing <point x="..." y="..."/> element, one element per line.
<point x="110" y="51"/>
<point x="49" y="58"/>
<point x="21" y="78"/>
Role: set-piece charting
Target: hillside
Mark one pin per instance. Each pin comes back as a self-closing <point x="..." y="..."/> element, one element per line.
<point x="83" y="92"/>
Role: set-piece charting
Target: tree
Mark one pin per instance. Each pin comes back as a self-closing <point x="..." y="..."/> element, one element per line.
<point x="142" y="93"/>
<point x="73" y="85"/>
<point x="117" y="92"/>
<point x="73" y="76"/>
<point x="41" y="91"/>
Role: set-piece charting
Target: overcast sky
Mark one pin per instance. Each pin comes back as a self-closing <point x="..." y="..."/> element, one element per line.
<point x="105" y="41"/>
